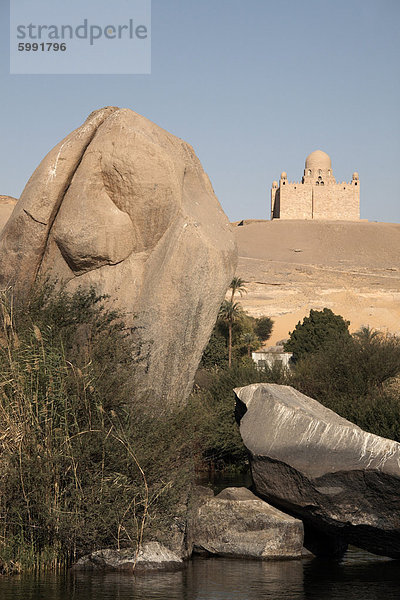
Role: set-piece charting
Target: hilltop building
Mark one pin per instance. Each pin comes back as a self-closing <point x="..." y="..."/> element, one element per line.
<point x="317" y="195"/>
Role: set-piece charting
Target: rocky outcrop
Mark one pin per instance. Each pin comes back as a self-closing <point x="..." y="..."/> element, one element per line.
<point x="342" y="482"/>
<point x="7" y="204"/>
<point x="152" y="556"/>
<point x="122" y="205"/>
<point x="236" y="523"/>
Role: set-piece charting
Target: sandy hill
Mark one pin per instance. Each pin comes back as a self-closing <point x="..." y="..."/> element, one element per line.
<point x="293" y="266"/>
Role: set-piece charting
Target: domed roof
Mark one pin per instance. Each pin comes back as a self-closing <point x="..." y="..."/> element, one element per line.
<point x="318" y="160"/>
<point x="283" y="175"/>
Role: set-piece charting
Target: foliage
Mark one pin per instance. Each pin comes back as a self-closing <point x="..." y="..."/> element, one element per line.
<point x="236" y="334"/>
<point x="79" y="469"/>
<point x="353" y="377"/>
<point x="317" y="331"/>
<point x="223" y="446"/>
<point x="237" y="285"/>
<point x="216" y="351"/>
<point x="230" y="312"/>
<point x="263" y="328"/>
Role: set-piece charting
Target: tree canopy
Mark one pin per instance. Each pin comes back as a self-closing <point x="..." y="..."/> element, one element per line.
<point x="317" y="331"/>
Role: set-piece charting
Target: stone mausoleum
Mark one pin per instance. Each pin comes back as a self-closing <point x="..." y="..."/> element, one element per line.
<point x="317" y="195"/>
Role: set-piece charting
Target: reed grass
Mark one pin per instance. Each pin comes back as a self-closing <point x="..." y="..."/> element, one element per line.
<point x="83" y="464"/>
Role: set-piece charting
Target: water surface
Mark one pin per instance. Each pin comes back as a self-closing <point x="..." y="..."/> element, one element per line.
<point x="359" y="576"/>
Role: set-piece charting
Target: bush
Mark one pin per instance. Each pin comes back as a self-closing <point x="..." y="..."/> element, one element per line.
<point x="215" y="399"/>
<point x="352" y="377"/>
<point x="248" y="333"/>
<point x="317" y="331"/>
<point x="263" y="328"/>
<point x="84" y="464"/>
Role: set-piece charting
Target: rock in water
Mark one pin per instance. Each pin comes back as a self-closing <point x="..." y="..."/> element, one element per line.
<point x="343" y="482"/>
<point x="237" y="523"/>
<point x="125" y="206"/>
<point x="152" y="556"/>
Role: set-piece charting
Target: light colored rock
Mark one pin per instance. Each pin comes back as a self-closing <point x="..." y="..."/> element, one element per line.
<point x="152" y="556"/>
<point x="7" y="204"/>
<point x="236" y="523"/>
<point x="342" y="482"/>
<point x="125" y="206"/>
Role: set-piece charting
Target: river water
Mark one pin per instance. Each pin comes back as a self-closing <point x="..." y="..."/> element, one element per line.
<point x="358" y="576"/>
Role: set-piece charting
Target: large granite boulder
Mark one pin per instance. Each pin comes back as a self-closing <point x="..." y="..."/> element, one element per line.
<point x="342" y="482"/>
<point x="236" y="523"/>
<point x="7" y="204"/>
<point x="122" y="205"/>
<point x="152" y="556"/>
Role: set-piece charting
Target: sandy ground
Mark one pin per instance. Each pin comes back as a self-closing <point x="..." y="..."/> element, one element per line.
<point x="290" y="267"/>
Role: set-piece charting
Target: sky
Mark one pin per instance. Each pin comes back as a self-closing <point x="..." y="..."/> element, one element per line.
<point x="253" y="85"/>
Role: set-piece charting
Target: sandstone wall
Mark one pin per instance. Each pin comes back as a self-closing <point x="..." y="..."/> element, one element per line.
<point x="295" y="201"/>
<point x="340" y="201"/>
<point x="336" y="202"/>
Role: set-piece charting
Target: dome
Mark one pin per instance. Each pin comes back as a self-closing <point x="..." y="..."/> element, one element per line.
<point x="283" y="175"/>
<point x="318" y="160"/>
<point x="274" y="184"/>
<point x="355" y="175"/>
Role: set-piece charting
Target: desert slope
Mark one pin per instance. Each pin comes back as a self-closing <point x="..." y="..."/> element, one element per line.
<point x="293" y="266"/>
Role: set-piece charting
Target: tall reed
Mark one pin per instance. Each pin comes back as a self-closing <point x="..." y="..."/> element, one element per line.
<point x="82" y="466"/>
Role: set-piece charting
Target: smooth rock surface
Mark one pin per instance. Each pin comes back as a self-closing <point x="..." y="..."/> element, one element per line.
<point x="7" y="204"/>
<point x="238" y="524"/>
<point x="342" y="482"/>
<point x="125" y="206"/>
<point x="151" y="557"/>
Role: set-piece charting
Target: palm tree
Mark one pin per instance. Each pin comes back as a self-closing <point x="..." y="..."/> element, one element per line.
<point x="251" y="342"/>
<point x="237" y="285"/>
<point x="230" y="312"/>
<point x="366" y="334"/>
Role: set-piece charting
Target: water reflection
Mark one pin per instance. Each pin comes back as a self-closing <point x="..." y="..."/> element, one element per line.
<point x="360" y="576"/>
<point x="244" y="580"/>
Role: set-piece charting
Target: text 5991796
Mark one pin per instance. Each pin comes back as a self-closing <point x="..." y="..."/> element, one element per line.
<point x="42" y="47"/>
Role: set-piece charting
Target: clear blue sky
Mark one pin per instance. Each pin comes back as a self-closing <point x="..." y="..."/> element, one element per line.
<point x="253" y="85"/>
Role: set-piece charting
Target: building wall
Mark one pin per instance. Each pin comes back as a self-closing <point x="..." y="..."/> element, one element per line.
<point x="269" y="359"/>
<point x="338" y="201"/>
<point x="295" y="201"/>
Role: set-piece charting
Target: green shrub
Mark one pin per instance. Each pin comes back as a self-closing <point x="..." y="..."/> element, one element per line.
<point x="317" y="331"/>
<point x="352" y="377"/>
<point x="84" y="464"/>
<point x="215" y="400"/>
